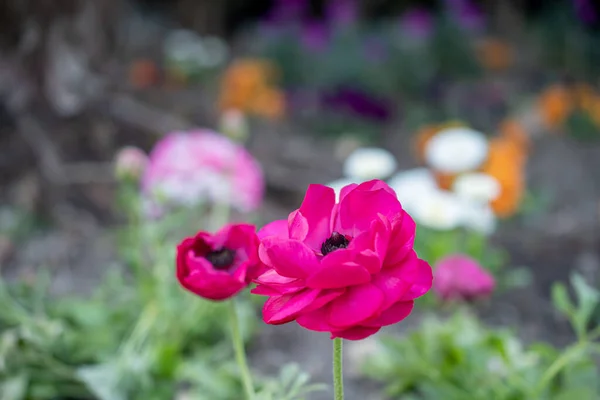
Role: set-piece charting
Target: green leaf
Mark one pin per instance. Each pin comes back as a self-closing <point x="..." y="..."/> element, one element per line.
<point x="103" y="381"/>
<point x="560" y="299"/>
<point x="587" y="299"/>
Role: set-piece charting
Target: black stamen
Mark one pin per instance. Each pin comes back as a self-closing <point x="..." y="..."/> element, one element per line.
<point x="221" y="259"/>
<point x="335" y="241"/>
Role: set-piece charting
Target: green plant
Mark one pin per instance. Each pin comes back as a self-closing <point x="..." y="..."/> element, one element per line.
<point x="459" y="358"/>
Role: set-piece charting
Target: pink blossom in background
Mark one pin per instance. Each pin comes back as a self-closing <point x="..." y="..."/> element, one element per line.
<point x="460" y="277"/>
<point x="347" y="268"/>
<point x="188" y="168"/>
<point x="130" y="162"/>
<point x="218" y="266"/>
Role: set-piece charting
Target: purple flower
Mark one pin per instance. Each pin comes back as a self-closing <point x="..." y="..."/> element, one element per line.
<point x="285" y="11"/>
<point x="342" y="12"/>
<point x="466" y="14"/>
<point x="417" y="23"/>
<point x="360" y="103"/>
<point x="585" y="11"/>
<point x="315" y="36"/>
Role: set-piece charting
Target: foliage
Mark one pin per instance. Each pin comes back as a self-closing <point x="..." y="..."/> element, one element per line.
<point x="461" y="359"/>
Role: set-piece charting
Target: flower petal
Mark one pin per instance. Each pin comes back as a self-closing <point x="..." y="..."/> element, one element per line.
<point x="355" y="333"/>
<point x="338" y="270"/>
<point x="396" y="313"/>
<point x="402" y="239"/>
<point x="276" y="228"/>
<point x="315" y="320"/>
<point x="360" y="208"/>
<point x="356" y="305"/>
<point x="316" y="209"/>
<point x="281" y="309"/>
<point x="290" y="258"/>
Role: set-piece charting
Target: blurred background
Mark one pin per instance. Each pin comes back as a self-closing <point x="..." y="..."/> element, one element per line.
<point x="419" y="93"/>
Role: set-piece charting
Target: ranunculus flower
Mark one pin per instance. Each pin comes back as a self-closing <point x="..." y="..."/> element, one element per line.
<point x="459" y="277"/>
<point x="477" y="187"/>
<point x="189" y="168"/>
<point x="369" y="163"/>
<point x="344" y="267"/>
<point x="217" y="266"/>
<point x="440" y="210"/>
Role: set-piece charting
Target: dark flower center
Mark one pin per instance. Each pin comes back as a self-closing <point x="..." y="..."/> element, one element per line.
<point x="221" y="258"/>
<point x="335" y="241"/>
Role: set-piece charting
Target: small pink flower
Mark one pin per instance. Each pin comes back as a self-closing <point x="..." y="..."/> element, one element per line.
<point x="188" y="168"/>
<point x="347" y="268"/>
<point x="218" y="266"/>
<point x="459" y="277"/>
<point x="130" y="163"/>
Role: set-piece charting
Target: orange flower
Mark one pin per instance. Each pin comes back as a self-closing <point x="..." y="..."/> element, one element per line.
<point x="269" y="103"/>
<point x="495" y="54"/>
<point x="555" y="105"/>
<point x="506" y="163"/>
<point x="513" y="131"/>
<point x="248" y="82"/>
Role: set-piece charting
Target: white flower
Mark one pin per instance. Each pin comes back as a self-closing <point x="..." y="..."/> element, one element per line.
<point x="456" y="150"/>
<point x="412" y="186"/>
<point x="369" y="163"/>
<point x="186" y="47"/>
<point x="439" y="210"/>
<point x="477" y="186"/>
<point x="479" y="217"/>
<point x="338" y="184"/>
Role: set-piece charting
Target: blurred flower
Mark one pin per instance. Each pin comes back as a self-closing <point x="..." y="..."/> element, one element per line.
<point x="189" y="168"/>
<point x="459" y="277"/>
<point x="514" y="131"/>
<point x="339" y="184"/>
<point x="315" y="36"/>
<point x="247" y="85"/>
<point x="412" y="186"/>
<point x="368" y="163"/>
<point x="342" y="12"/>
<point x="586" y="11"/>
<point x="506" y="163"/>
<point x="346" y="268"/>
<point x="466" y="14"/>
<point x="234" y="125"/>
<point x="425" y="134"/>
<point x="357" y="102"/>
<point x="456" y="150"/>
<point x="555" y="105"/>
<point x="477" y="187"/>
<point x="130" y="163"/>
<point x="143" y="74"/>
<point x="417" y="24"/>
<point x="218" y="266"/>
<point x="495" y="54"/>
<point x="479" y="217"/>
<point x="439" y="210"/>
<point x="286" y="11"/>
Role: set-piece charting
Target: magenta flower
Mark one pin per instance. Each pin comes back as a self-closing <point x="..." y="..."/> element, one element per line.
<point x="218" y="266"/>
<point x="459" y="277"/>
<point x="347" y="268"/>
<point x="188" y="168"/>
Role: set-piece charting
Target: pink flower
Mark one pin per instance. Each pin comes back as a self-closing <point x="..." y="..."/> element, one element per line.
<point x="188" y="168"/>
<point x="218" y="266"/>
<point x="130" y="163"/>
<point x="347" y="268"/>
<point x="459" y="277"/>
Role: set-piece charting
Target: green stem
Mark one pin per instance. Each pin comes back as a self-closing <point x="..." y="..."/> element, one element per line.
<point x="338" y="379"/>
<point x="240" y="354"/>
